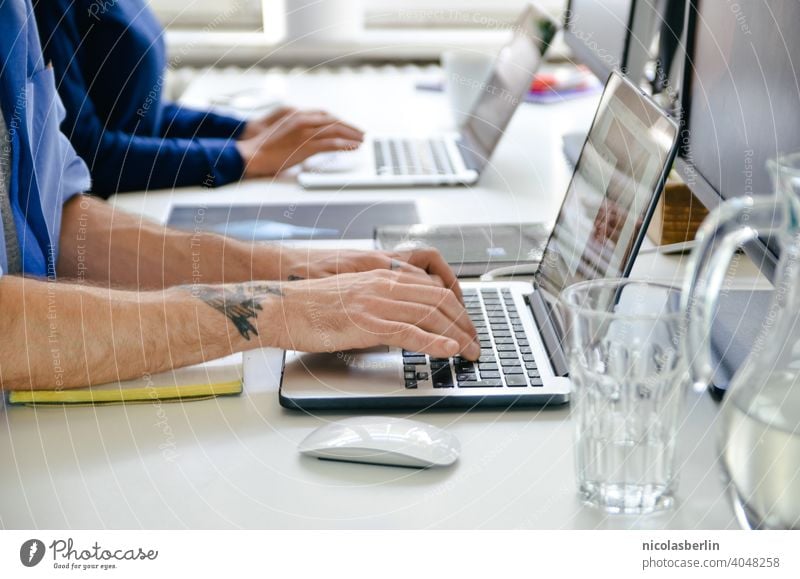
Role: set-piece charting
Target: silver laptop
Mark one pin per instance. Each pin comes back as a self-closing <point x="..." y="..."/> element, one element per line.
<point x="614" y="188"/>
<point x="455" y="158"/>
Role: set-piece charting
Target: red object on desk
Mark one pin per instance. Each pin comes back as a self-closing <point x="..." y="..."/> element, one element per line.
<point x="561" y="81"/>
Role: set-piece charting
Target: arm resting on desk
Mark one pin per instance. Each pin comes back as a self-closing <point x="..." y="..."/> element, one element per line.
<point x="107" y="246"/>
<point x="64" y="335"/>
<point x="81" y="331"/>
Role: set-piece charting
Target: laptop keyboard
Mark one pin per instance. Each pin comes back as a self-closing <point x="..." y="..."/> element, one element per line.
<point x="412" y="157"/>
<point x="506" y="358"/>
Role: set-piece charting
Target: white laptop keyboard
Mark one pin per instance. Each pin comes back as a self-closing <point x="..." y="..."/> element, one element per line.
<point x="403" y="156"/>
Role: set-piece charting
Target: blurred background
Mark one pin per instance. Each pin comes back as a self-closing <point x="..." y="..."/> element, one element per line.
<point x="240" y="31"/>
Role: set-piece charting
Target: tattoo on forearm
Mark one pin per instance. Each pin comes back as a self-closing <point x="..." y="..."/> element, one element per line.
<point x="240" y="303"/>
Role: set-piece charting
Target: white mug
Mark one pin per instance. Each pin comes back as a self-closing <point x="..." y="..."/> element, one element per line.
<point x="323" y="20"/>
<point x="465" y="75"/>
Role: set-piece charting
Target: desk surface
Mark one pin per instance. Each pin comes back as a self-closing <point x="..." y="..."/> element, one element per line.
<point x="232" y="462"/>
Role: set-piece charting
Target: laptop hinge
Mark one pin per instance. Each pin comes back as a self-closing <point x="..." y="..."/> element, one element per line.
<point x="471" y="160"/>
<point x="551" y="338"/>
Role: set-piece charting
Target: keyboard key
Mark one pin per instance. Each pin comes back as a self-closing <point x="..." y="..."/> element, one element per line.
<point x="482" y="384"/>
<point x="487" y="366"/>
<point x="407" y="354"/>
<point x="410" y="384"/>
<point x="415" y="360"/>
<point x="489" y="374"/>
<point x="508" y="362"/>
<point x="422" y="376"/>
<point x="537" y="382"/>
<point x="530" y="365"/>
<point x="410" y="375"/>
<point x="508" y="355"/>
<point x="513" y="370"/>
<point x="516" y="380"/>
<point x="506" y="348"/>
<point x="441" y="376"/>
<point x="527" y="358"/>
<point x="501" y="341"/>
<point x="466" y="377"/>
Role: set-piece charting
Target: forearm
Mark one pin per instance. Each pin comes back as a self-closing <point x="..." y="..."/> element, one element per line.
<point x="58" y="335"/>
<point x="104" y="245"/>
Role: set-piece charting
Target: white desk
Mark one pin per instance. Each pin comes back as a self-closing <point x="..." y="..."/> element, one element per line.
<point x="232" y="462"/>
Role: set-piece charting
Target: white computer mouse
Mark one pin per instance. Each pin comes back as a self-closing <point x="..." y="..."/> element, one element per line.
<point x="333" y="162"/>
<point x="383" y="440"/>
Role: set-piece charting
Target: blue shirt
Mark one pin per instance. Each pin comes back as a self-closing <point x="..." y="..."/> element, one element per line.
<point x="45" y="170"/>
<point x="110" y="59"/>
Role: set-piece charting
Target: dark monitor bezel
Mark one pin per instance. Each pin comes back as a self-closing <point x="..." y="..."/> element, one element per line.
<point x="758" y="251"/>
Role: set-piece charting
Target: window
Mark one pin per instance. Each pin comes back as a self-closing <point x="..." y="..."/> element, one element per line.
<point x="253" y="15"/>
<point x="448" y="13"/>
<point x="212" y="15"/>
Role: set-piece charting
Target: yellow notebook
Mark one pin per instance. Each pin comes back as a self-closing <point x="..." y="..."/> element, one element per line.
<point x="216" y="378"/>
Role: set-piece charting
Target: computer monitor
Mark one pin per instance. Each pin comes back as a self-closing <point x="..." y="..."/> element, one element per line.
<point x="608" y="35"/>
<point x="741" y="101"/>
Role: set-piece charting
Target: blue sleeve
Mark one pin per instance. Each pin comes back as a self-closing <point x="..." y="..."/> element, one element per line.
<point x="120" y="161"/>
<point x="179" y="121"/>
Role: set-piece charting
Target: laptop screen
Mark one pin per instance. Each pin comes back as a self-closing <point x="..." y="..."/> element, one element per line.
<point x="508" y="83"/>
<point x="613" y="190"/>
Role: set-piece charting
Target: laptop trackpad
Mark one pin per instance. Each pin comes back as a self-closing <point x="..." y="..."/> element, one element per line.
<point x="374" y="371"/>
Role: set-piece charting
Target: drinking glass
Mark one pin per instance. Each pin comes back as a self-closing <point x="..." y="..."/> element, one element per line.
<point x="629" y="377"/>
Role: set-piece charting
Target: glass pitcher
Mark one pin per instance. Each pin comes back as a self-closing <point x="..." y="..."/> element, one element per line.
<point x="760" y="423"/>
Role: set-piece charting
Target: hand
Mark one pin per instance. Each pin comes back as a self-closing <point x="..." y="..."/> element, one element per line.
<point x="290" y="137"/>
<point x="255" y="127"/>
<point x="363" y="310"/>
<point x="297" y="264"/>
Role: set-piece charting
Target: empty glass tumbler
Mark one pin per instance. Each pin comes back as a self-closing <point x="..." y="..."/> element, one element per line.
<point x="627" y="366"/>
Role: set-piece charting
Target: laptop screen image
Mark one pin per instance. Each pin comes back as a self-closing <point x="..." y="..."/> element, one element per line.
<point x="613" y="190"/>
<point x="508" y="82"/>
